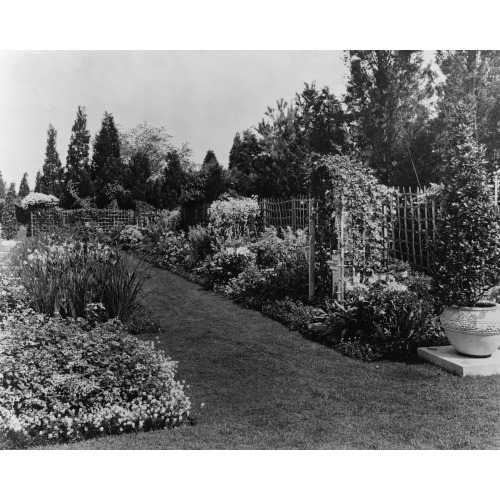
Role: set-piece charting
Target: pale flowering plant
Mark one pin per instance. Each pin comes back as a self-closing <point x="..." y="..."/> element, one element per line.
<point x="14" y="300"/>
<point x="62" y="382"/>
<point x="228" y="263"/>
<point x="62" y="275"/>
<point x="236" y="216"/>
<point x="131" y="235"/>
<point x="35" y="201"/>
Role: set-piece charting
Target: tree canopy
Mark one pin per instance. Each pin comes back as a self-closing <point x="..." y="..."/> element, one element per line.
<point x="387" y="98"/>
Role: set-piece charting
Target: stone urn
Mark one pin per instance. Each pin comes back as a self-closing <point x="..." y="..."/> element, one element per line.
<point x="473" y="331"/>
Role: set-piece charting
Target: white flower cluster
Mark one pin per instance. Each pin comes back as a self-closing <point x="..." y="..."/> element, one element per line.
<point x="66" y="253"/>
<point x="131" y="234"/>
<point x="38" y="200"/>
<point x="238" y="251"/>
<point x="234" y="212"/>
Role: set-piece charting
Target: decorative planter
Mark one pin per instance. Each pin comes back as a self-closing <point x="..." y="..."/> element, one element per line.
<point x="473" y="331"/>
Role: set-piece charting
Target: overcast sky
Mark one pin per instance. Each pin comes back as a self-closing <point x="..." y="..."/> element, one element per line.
<point x="200" y="97"/>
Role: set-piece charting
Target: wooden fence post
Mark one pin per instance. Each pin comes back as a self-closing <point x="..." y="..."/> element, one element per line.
<point x="312" y="241"/>
<point x="496" y="189"/>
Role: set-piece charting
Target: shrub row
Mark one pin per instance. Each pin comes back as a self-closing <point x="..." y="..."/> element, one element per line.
<point x="387" y="313"/>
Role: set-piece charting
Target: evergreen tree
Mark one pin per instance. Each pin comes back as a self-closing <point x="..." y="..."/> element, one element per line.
<point x="9" y="221"/>
<point x="52" y="178"/>
<point x="212" y="177"/>
<point x="106" y="165"/>
<point x="24" y="188"/>
<point x="38" y="182"/>
<point x="320" y="122"/>
<point x="281" y="169"/>
<point x="137" y="176"/>
<point x="77" y="160"/>
<point x="2" y="187"/>
<point x="245" y="158"/>
<point x="175" y="182"/>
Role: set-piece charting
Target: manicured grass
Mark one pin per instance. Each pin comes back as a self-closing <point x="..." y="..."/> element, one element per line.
<point x="265" y="387"/>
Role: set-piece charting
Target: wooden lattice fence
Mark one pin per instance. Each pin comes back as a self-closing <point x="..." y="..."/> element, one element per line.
<point x="409" y="226"/>
<point x="195" y="214"/>
<point x="282" y="213"/>
<point x="47" y="220"/>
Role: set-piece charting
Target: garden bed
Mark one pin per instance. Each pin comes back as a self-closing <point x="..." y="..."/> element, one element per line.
<point x="69" y="368"/>
<point x="265" y="387"/>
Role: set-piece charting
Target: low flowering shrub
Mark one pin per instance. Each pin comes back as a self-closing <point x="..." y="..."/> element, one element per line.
<point x="202" y="243"/>
<point x="388" y="315"/>
<point x="130" y="235"/>
<point x="14" y="302"/>
<point x="164" y="222"/>
<point x="281" y="270"/>
<point x="254" y="287"/>
<point x="140" y="321"/>
<point x="172" y="250"/>
<point x="36" y="201"/>
<point x="229" y="263"/>
<point x="235" y="216"/>
<point x="61" y="381"/>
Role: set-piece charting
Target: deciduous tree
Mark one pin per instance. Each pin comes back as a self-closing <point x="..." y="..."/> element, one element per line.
<point x="387" y="98"/>
<point x="470" y="90"/>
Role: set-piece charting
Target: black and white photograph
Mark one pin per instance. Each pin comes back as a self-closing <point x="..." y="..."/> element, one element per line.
<point x="289" y="253"/>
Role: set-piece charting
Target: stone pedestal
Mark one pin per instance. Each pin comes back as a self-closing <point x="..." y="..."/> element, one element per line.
<point x="449" y="359"/>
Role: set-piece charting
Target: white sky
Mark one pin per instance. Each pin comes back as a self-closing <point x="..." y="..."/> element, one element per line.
<point x="200" y="97"/>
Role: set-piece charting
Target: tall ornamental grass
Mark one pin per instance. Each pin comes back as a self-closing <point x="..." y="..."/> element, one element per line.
<point x="65" y="276"/>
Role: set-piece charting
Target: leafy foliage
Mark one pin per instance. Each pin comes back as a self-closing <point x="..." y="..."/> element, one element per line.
<point x="280" y="271"/>
<point x="320" y="122"/>
<point x="471" y="86"/>
<point x="387" y="104"/>
<point x="347" y="186"/>
<point x="9" y="221"/>
<point x="466" y="251"/>
<point x="234" y="216"/>
<point x="386" y="316"/>
<point x="62" y="276"/>
<point x="228" y="263"/>
<point x="63" y="381"/>
<point x="2" y="187"/>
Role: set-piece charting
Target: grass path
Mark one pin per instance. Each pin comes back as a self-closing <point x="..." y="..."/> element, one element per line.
<point x="265" y="387"/>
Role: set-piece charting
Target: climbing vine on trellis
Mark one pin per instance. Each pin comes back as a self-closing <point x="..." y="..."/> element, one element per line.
<point x="345" y="185"/>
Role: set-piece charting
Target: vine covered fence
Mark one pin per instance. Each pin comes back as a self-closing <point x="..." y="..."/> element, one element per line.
<point x="282" y="213"/>
<point x="43" y="221"/>
<point x="278" y="212"/>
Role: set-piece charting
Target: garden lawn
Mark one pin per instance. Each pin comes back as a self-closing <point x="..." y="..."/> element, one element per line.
<point x="265" y="387"/>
